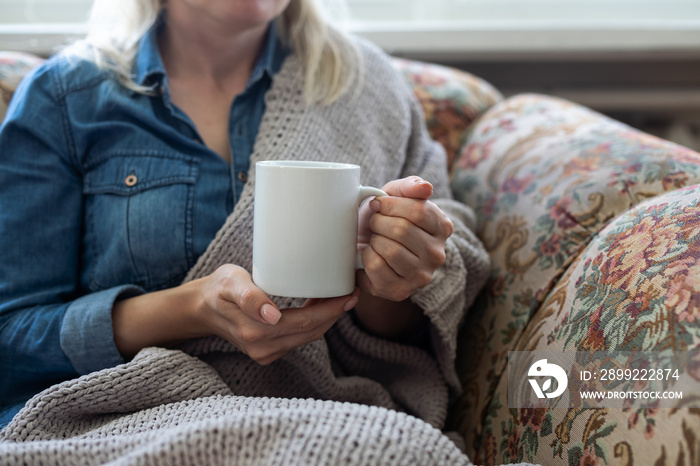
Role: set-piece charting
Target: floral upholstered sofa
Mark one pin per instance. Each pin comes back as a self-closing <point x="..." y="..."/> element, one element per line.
<point x="593" y="229"/>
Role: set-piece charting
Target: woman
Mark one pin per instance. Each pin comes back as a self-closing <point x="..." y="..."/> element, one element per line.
<point x="123" y="157"/>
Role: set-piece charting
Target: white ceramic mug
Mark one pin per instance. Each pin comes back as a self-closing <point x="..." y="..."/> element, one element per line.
<point x="305" y="227"/>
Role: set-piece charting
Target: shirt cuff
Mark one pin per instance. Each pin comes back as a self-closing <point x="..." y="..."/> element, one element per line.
<point x="87" y="336"/>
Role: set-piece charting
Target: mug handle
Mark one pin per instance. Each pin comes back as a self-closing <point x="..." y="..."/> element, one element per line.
<point x="365" y="192"/>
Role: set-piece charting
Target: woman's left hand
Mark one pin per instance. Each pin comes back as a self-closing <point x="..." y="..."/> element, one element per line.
<point x="405" y="237"/>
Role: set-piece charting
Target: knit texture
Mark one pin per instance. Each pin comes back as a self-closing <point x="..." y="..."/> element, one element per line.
<point x="348" y="397"/>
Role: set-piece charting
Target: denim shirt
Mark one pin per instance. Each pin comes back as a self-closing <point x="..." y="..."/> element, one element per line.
<point x="105" y="193"/>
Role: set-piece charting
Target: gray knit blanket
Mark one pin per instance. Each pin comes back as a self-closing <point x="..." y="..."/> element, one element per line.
<point x="348" y="398"/>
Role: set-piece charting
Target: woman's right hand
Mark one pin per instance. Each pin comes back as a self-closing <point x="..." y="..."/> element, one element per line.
<point x="243" y="314"/>
<point x="226" y="303"/>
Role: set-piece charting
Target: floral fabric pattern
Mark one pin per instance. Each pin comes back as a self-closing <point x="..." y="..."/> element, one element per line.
<point x="451" y="100"/>
<point x="634" y="288"/>
<point x="544" y="177"/>
<point x="13" y="67"/>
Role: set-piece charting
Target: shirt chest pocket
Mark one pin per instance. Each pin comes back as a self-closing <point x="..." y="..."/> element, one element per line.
<point x="139" y="220"/>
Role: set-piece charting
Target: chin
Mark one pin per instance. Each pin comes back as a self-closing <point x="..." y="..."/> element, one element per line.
<point x="253" y="12"/>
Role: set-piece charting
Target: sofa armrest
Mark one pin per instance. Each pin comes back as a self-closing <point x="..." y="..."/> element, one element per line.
<point x="632" y="296"/>
<point x="544" y="176"/>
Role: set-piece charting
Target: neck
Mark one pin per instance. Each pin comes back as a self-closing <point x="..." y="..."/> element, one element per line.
<point x="194" y="46"/>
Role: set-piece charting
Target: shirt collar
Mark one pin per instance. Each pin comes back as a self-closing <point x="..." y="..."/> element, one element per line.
<point x="149" y="65"/>
<point x="271" y="56"/>
<point x="150" y="69"/>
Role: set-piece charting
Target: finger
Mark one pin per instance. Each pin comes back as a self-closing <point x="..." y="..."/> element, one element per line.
<point x="303" y="333"/>
<point x="424" y="214"/>
<point x="296" y="327"/>
<point x="395" y="292"/>
<point x="282" y="345"/>
<point x="413" y="187"/>
<point x="402" y="231"/>
<point x="349" y="298"/>
<point x="311" y="301"/>
<point x="401" y="260"/>
<point x="412" y="272"/>
<point x="301" y="325"/>
<point x="253" y="301"/>
<point x="319" y="308"/>
<point x="365" y="213"/>
<point x="272" y="357"/>
<point x="379" y="279"/>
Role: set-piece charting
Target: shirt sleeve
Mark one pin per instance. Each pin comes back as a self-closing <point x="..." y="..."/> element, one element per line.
<point x="48" y="332"/>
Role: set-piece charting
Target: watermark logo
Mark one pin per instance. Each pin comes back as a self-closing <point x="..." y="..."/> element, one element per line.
<point x="602" y="379"/>
<point x="543" y="369"/>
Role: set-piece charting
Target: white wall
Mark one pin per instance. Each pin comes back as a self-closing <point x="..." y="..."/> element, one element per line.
<point x="524" y="10"/>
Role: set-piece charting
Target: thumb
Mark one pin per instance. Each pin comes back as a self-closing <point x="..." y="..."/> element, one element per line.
<point x="254" y="301"/>
<point x="413" y="187"/>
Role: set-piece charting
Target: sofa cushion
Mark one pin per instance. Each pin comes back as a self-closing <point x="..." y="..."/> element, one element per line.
<point x="451" y="100"/>
<point x="13" y="67"/>
<point x="634" y="288"/>
<point x="543" y="176"/>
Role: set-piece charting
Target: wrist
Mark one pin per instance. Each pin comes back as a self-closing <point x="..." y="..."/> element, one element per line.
<point x="192" y="306"/>
<point x="160" y="318"/>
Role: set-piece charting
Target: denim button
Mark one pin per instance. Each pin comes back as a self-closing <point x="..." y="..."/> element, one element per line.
<point x="242" y="177"/>
<point x="130" y="180"/>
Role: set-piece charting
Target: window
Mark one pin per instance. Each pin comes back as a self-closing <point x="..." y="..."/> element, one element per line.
<point x="521" y="11"/>
<point x="436" y="26"/>
<point x="44" y="11"/>
<point x="463" y="29"/>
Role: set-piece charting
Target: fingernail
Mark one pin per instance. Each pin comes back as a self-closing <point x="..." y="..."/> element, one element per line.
<point x="270" y="314"/>
<point x="350" y="304"/>
<point x="375" y="205"/>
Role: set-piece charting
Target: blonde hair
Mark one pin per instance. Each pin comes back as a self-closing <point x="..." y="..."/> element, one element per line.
<point x="331" y="62"/>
